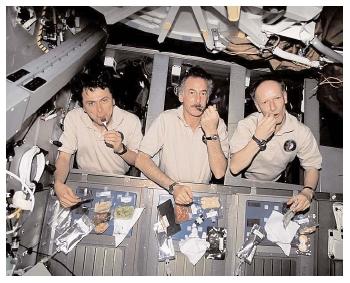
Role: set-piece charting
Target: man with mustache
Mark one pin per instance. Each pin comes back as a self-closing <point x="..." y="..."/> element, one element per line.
<point x="191" y="140"/>
<point x="266" y="141"/>
<point x="104" y="137"/>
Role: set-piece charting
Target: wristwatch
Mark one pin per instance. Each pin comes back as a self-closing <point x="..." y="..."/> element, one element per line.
<point x="306" y="195"/>
<point x="260" y="143"/>
<point x="210" y="138"/>
<point x="125" y="149"/>
<point x="171" y="187"/>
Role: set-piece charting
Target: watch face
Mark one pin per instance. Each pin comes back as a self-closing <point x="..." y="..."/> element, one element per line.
<point x="210" y="138"/>
<point x="263" y="145"/>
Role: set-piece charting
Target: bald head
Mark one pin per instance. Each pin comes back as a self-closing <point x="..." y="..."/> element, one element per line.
<point x="267" y="83"/>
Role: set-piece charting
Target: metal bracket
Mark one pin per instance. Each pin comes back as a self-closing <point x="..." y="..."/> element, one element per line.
<point x="199" y="16"/>
<point x="167" y="23"/>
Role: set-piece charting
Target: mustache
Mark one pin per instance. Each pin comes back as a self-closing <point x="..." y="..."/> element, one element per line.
<point x="199" y="107"/>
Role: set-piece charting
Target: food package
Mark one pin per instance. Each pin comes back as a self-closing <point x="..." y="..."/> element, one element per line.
<point x="210" y="202"/>
<point x="124" y="212"/>
<point x="182" y="213"/>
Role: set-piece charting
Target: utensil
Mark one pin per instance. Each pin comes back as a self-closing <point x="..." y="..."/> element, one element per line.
<point x="287" y="218"/>
<point x="104" y="123"/>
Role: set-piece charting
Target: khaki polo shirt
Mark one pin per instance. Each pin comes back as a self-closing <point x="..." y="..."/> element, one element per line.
<point x="269" y="164"/>
<point x="182" y="154"/>
<point x="81" y="136"/>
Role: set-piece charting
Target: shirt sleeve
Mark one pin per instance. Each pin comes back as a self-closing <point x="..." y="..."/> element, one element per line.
<point x="241" y="136"/>
<point x="223" y="135"/>
<point x="135" y="136"/>
<point x="69" y="135"/>
<point x="308" y="153"/>
<point x="153" y="140"/>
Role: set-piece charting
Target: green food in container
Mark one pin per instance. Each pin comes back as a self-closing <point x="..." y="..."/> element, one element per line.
<point x="124" y="212"/>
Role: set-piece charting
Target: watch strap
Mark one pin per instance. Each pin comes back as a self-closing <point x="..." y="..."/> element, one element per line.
<point x="260" y="143"/>
<point x="171" y="187"/>
<point x="125" y="149"/>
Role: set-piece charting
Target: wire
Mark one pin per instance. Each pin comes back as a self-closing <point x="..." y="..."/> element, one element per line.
<point x="238" y="269"/>
<point x="50" y="257"/>
<point x="14" y="229"/>
<point x="17" y="213"/>
<point x="18" y="210"/>
<point x="30" y="124"/>
<point x="332" y="81"/>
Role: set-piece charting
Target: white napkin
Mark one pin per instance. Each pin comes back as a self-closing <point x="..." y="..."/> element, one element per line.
<point x="193" y="248"/>
<point x="122" y="227"/>
<point x="276" y="232"/>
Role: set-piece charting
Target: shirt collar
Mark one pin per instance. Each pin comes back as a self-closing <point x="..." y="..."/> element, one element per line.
<point x="287" y="126"/>
<point x="117" y="118"/>
<point x="180" y="115"/>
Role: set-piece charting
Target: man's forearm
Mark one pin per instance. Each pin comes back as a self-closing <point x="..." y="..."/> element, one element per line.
<point x="217" y="159"/>
<point x="129" y="157"/>
<point x="243" y="158"/>
<point x="311" y="177"/>
<point x="62" y="170"/>
<point x="149" y="168"/>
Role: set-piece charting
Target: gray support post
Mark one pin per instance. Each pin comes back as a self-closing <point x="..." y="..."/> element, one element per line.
<point x="311" y="108"/>
<point x="236" y="105"/>
<point x="331" y="179"/>
<point x="311" y="115"/>
<point x="158" y="88"/>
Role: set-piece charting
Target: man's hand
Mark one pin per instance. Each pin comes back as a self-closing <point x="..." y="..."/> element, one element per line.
<point x="182" y="194"/>
<point x="65" y="195"/>
<point x="300" y="202"/>
<point x="115" y="139"/>
<point x="210" y="120"/>
<point x="266" y="127"/>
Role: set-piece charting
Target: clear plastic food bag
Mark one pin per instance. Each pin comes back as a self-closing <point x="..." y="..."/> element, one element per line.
<point x="304" y="245"/>
<point x="61" y="218"/>
<point x="308" y="223"/>
<point x="166" y="250"/>
<point x="72" y="236"/>
<point x="182" y="213"/>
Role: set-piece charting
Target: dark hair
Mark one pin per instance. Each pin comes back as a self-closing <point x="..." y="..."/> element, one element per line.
<point x="98" y="77"/>
<point x="256" y="84"/>
<point x="196" y="72"/>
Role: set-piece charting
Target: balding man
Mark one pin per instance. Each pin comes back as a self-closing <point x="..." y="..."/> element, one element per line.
<point x="265" y="142"/>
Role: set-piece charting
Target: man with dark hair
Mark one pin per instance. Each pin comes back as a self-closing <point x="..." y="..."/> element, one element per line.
<point x="191" y="140"/>
<point x="104" y="137"/>
<point x="266" y="141"/>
